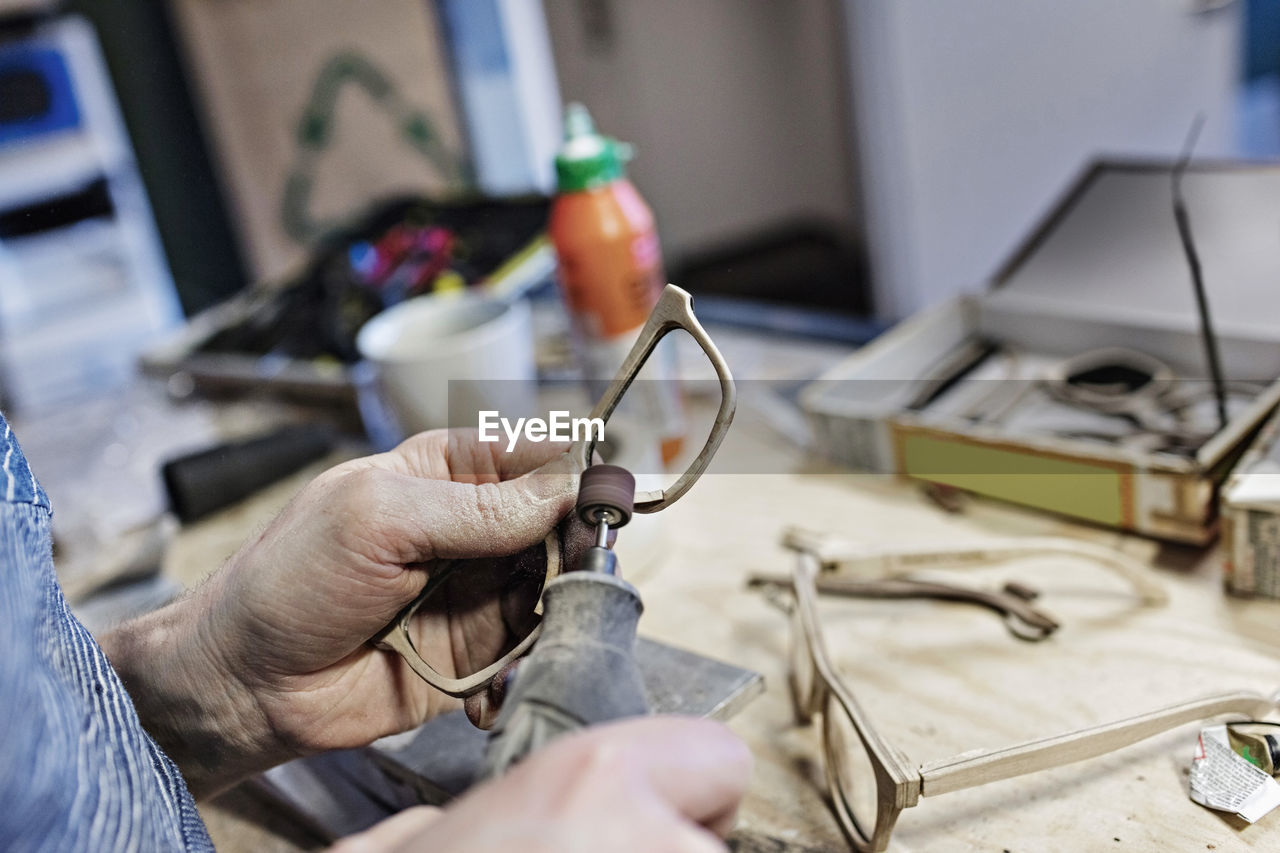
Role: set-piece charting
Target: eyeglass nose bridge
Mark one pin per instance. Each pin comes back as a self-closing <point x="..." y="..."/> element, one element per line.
<point x="674" y="310"/>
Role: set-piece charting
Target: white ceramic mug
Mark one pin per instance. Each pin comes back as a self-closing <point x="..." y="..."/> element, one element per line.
<point x="418" y="346"/>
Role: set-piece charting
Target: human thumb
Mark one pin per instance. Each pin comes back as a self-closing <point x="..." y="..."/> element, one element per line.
<point x="466" y="520"/>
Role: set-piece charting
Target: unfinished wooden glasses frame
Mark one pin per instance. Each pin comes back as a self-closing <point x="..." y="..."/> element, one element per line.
<point x="674" y="310"/>
<point x="871" y="782"/>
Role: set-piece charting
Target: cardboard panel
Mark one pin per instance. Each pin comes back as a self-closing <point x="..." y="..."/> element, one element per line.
<point x="316" y="109"/>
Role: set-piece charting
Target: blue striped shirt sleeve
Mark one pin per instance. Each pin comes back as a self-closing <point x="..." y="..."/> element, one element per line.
<point x="79" y="771"/>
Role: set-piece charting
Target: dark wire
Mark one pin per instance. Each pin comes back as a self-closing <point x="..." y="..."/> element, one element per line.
<point x="1197" y="278"/>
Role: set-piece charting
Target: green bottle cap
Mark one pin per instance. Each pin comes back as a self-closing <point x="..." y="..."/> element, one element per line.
<point x="587" y="159"/>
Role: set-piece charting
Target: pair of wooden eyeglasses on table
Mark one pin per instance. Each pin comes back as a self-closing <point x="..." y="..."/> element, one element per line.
<point x="870" y="781"/>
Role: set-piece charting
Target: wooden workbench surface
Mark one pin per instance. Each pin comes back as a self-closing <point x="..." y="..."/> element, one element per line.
<point x="937" y="679"/>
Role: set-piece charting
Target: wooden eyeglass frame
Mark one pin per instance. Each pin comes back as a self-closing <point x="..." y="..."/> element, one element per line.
<point x="674" y="310"/>
<point x="900" y="783"/>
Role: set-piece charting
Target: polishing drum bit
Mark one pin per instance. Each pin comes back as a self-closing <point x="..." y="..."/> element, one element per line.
<point x="606" y="495"/>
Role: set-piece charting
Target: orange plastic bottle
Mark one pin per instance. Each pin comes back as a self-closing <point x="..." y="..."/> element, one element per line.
<point x="611" y="272"/>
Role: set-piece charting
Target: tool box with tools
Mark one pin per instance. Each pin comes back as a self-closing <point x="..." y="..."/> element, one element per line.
<point x="1079" y="381"/>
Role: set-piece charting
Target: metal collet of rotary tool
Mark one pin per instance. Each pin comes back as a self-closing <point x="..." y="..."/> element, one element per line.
<point x="582" y="671"/>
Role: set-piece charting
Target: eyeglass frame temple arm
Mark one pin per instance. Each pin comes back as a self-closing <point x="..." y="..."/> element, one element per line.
<point x="674" y="310"/>
<point x="832" y="550"/>
<point x="967" y="771"/>
<point x="1023" y="619"/>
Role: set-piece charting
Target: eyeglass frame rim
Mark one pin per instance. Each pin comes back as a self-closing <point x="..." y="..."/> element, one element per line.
<point x="910" y="780"/>
<point x="672" y="311"/>
<point x="396" y="636"/>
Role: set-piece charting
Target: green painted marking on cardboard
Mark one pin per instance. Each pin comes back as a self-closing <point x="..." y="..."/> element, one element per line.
<point x="315" y="134"/>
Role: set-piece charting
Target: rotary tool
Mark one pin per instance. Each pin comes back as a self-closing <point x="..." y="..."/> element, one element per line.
<point x="582" y="670"/>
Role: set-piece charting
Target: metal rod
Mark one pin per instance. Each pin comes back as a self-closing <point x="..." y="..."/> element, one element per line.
<point x="1197" y="279"/>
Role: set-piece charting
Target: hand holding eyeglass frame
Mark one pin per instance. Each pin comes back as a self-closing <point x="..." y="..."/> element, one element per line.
<point x="674" y="310"/>
<point x="870" y="781"/>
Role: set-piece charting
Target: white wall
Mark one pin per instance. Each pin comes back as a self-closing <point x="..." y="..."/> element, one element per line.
<point x="738" y="109"/>
<point x="973" y="115"/>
